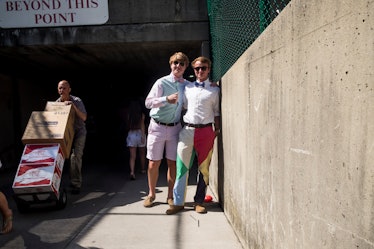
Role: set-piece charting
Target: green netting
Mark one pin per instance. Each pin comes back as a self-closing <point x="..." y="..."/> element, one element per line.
<point x="234" y="26"/>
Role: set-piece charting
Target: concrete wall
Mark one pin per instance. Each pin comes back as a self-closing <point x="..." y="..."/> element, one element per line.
<point x="151" y="11"/>
<point x="297" y="139"/>
<point x="13" y="102"/>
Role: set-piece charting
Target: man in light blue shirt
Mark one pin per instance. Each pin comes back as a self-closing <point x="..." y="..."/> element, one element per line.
<point x="165" y="100"/>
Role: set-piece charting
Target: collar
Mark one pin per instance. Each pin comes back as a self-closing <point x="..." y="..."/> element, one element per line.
<point x="175" y="79"/>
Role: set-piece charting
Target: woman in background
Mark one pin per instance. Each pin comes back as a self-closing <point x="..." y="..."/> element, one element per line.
<point x="136" y="138"/>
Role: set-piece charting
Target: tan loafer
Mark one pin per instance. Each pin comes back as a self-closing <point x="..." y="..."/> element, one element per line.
<point x="174" y="209"/>
<point x="199" y="208"/>
<point x="149" y="201"/>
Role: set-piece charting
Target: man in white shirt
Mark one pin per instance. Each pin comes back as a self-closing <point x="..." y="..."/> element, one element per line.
<point x="202" y="125"/>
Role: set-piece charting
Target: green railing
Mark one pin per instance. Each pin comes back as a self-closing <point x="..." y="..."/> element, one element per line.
<point x="234" y="26"/>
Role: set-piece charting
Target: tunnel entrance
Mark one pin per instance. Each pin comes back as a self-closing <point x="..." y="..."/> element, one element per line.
<point x="106" y="86"/>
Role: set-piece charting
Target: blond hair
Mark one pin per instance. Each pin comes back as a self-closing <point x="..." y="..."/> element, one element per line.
<point x="202" y="59"/>
<point x="179" y="56"/>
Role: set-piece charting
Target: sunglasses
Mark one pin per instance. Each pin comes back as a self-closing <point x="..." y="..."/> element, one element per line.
<point x="198" y="68"/>
<point x="178" y="62"/>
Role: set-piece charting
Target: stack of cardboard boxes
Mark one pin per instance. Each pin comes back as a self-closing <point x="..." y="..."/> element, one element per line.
<point x="48" y="139"/>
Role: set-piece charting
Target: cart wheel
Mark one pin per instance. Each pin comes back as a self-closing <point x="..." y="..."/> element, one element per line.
<point x="22" y="206"/>
<point x="62" y="200"/>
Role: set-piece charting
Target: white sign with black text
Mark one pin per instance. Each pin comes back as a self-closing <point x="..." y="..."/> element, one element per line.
<point x="50" y="13"/>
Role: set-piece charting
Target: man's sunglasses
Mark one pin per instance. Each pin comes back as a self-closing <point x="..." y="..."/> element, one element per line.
<point x="178" y="62"/>
<point x="198" y="68"/>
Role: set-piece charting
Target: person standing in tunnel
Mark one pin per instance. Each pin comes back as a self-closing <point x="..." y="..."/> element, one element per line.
<point x="136" y="137"/>
<point x="164" y="102"/>
<point x="80" y="133"/>
<point x="201" y="126"/>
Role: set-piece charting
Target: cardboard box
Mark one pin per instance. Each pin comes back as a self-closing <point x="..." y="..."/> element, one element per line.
<point x="60" y="107"/>
<point x="51" y="127"/>
<point x="40" y="169"/>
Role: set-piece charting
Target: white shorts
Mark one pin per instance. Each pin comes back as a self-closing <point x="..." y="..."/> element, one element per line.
<point x="160" y="138"/>
<point x="134" y="139"/>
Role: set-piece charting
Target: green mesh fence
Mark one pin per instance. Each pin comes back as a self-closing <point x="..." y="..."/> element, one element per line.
<point x="234" y="26"/>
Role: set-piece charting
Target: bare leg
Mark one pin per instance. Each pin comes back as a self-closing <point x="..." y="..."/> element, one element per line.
<point x="171" y="174"/>
<point x="132" y="161"/>
<point x="7" y="215"/>
<point x="153" y="168"/>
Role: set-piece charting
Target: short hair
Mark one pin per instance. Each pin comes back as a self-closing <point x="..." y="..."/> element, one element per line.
<point x="65" y="82"/>
<point x="202" y="59"/>
<point x="179" y="56"/>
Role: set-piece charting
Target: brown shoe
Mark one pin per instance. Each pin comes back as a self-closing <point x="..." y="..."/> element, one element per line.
<point x="170" y="202"/>
<point x="199" y="208"/>
<point x="174" y="209"/>
<point x="149" y="201"/>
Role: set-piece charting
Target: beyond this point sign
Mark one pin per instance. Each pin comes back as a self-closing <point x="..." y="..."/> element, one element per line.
<point x="51" y="13"/>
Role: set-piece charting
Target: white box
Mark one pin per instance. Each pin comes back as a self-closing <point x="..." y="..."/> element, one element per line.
<point x="40" y="169"/>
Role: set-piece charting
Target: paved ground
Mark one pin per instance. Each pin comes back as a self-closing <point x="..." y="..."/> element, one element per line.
<point x="125" y="223"/>
<point x="109" y="213"/>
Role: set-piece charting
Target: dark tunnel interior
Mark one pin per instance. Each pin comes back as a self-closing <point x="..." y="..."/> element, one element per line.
<point x="104" y="82"/>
